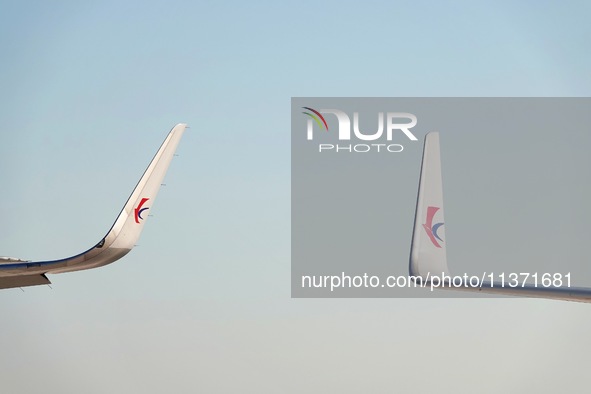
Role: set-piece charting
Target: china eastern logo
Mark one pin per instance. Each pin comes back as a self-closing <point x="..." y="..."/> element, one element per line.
<point x="431" y="228"/>
<point x="139" y="210"/>
<point x="389" y="124"/>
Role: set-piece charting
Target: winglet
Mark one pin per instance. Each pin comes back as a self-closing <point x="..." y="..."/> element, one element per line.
<point x="120" y="239"/>
<point x="428" y="254"/>
<point x="126" y="230"/>
<point x="128" y="226"/>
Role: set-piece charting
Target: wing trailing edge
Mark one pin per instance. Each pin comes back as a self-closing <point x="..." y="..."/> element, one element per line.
<point x="9" y="282"/>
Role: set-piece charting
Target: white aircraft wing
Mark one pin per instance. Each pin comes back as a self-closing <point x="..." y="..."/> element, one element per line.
<point x="120" y="239"/>
<point x="428" y="250"/>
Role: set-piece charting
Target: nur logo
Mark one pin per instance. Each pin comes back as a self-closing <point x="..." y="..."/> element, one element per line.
<point x="348" y="130"/>
<point x="344" y="121"/>
<point x="139" y="210"/>
<point x="431" y="228"/>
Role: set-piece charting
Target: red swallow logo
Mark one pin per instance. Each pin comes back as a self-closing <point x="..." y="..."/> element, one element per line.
<point x="431" y="228"/>
<point x="138" y="210"/>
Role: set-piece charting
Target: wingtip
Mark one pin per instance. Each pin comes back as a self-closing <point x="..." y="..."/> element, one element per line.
<point x="426" y="255"/>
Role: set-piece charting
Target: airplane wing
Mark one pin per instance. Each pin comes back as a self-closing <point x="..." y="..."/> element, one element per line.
<point x="120" y="239"/>
<point x="428" y="249"/>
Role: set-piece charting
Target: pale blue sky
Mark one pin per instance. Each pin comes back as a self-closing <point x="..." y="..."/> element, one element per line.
<point x="89" y="90"/>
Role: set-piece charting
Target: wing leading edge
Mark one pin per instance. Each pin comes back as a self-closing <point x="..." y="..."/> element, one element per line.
<point x="428" y="250"/>
<point x="120" y="239"/>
